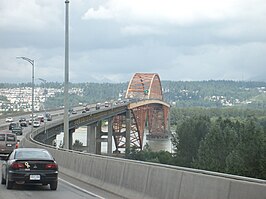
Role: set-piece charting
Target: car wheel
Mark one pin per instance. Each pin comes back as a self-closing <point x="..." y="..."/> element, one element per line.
<point x="3" y="181"/>
<point x="9" y="184"/>
<point x="53" y="185"/>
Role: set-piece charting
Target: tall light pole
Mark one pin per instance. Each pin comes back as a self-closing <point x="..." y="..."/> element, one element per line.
<point x="31" y="61"/>
<point x="44" y="81"/>
<point x="66" y="105"/>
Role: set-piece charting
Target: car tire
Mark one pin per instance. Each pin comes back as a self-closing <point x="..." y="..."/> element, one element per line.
<point x="3" y="181"/>
<point x="9" y="184"/>
<point x="53" y="185"/>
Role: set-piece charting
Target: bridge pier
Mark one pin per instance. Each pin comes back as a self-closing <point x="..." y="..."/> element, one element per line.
<point x="71" y="131"/>
<point x="91" y="138"/>
<point x="109" y="138"/>
<point x="98" y="137"/>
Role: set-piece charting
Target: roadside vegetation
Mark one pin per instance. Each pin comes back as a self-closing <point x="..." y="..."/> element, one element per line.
<point x="234" y="142"/>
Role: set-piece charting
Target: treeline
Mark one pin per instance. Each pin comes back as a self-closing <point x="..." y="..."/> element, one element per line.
<point x="229" y="143"/>
<point x="212" y="93"/>
<point x="92" y="93"/>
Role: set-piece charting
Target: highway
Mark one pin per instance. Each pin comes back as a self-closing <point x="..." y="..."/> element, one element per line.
<point x="68" y="187"/>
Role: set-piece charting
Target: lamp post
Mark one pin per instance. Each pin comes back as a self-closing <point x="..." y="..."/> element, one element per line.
<point x="45" y="91"/>
<point x="66" y="104"/>
<point x="31" y="61"/>
<point x="44" y="81"/>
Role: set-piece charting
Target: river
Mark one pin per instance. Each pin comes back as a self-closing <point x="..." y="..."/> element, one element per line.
<point x="81" y="135"/>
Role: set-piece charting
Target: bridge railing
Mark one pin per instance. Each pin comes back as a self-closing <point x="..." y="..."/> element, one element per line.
<point x="137" y="179"/>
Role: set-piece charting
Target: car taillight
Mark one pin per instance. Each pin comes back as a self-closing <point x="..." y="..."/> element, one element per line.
<point x="17" y="165"/>
<point x="51" y="166"/>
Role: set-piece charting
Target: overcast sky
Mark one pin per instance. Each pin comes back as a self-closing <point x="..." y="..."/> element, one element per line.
<point x="110" y="40"/>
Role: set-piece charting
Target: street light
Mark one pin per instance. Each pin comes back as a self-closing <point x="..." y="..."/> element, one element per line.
<point x="31" y="61"/>
<point x="66" y="83"/>
<point x="45" y="92"/>
<point x="44" y="81"/>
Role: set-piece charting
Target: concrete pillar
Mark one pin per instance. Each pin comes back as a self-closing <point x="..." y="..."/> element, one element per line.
<point x="91" y="138"/>
<point x="71" y="131"/>
<point x="128" y="129"/>
<point x="110" y="135"/>
<point x="98" y="136"/>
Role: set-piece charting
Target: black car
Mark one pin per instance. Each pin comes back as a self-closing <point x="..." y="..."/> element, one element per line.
<point x="30" y="165"/>
<point x="17" y="130"/>
<point x="12" y="125"/>
<point x="22" y="119"/>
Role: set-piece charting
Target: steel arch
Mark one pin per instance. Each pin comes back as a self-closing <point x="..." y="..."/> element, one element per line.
<point x="144" y="86"/>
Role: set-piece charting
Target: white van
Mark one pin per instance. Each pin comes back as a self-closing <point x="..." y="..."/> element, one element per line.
<point x="8" y="142"/>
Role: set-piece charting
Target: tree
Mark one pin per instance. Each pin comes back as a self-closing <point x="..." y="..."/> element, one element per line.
<point x="77" y="145"/>
<point x="248" y="158"/>
<point x="187" y="139"/>
<point x="217" y="145"/>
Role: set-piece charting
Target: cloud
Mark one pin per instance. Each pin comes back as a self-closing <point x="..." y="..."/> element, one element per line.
<point x="158" y="11"/>
<point x="110" y="40"/>
<point x="100" y="13"/>
<point x="29" y="15"/>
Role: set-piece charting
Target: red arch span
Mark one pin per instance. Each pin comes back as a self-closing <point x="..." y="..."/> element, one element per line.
<point x="145" y="86"/>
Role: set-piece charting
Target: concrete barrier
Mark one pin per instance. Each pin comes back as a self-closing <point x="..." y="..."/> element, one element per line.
<point x="136" y="179"/>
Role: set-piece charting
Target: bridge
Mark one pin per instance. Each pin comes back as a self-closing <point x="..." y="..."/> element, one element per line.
<point x="126" y="121"/>
<point x="136" y="179"/>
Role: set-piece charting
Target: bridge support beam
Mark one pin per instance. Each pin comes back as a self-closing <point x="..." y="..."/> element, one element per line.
<point x="128" y="129"/>
<point x="71" y="131"/>
<point x="109" y="138"/>
<point x="91" y="138"/>
<point x="98" y="137"/>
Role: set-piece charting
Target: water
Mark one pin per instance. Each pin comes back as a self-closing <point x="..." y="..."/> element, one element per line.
<point x="81" y="135"/>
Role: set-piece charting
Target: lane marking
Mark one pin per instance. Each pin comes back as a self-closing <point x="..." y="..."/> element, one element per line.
<point x="83" y="190"/>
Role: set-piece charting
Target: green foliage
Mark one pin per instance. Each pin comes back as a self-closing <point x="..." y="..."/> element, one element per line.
<point x="77" y="145"/>
<point x="163" y="157"/>
<point x="229" y="145"/>
<point x="187" y="139"/>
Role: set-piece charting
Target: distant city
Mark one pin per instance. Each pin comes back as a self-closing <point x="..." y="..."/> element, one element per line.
<point x="19" y="99"/>
<point x="215" y="94"/>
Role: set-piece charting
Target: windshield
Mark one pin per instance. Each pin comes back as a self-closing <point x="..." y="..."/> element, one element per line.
<point x="33" y="155"/>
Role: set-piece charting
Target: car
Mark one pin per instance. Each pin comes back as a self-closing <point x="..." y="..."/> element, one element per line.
<point x="30" y="165"/>
<point x="23" y="124"/>
<point x="41" y="118"/>
<point x="36" y="123"/>
<point x="8" y="142"/>
<point x="83" y="111"/>
<point x="49" y="118"/>
<point x="9" y="119"/>
<point x="87" y="108"/>
<point x="17" y="130"/>
<point x="106" y="104"/>
<point x="12" y="125"/>
<point x="74" y="112"/>
<point x="98" y="106"/>
<point x="22" y="119"/>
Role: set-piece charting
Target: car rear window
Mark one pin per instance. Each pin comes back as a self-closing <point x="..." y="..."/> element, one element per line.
<point x="2" y="137"/>
<point x="33" y="155"/>
<point x="11" y="138"/>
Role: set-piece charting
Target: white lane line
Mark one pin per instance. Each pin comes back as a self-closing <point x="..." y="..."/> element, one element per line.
<point x="83" y="190"/>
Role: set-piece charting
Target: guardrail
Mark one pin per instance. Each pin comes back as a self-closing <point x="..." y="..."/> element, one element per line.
<point x="136" y="179"/>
